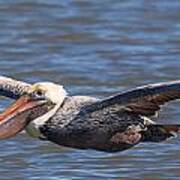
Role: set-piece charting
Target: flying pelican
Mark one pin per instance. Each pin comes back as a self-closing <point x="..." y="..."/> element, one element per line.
<point x="112" y="124"/>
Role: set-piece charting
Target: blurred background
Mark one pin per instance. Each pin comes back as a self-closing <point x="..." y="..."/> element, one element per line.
<point x="93" y="48"/>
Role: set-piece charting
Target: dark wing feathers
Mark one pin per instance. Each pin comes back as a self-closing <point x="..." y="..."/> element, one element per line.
<point x="144" y="100"/>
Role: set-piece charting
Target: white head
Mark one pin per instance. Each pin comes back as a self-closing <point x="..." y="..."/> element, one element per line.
<point x="53" y="92"/>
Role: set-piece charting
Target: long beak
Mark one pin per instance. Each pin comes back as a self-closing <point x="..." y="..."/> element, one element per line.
<point x="15" y="118"/>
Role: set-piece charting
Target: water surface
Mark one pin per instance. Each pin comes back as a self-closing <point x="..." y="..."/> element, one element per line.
<point x="93" y="48"/>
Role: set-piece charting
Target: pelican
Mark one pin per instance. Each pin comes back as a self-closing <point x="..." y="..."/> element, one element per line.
<point x="112" y="124"/>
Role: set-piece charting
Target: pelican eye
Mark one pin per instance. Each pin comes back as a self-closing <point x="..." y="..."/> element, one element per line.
<point x="38" y="94"/>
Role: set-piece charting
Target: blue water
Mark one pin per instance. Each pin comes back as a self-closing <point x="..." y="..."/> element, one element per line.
<point x="93" y="48"/>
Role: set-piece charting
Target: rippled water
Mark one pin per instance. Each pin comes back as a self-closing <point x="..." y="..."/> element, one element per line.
<point x="94" y="48"/>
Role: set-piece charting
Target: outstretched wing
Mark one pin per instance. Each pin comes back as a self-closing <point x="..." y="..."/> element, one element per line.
<point x="12" y="88"/>
<point x="145" y="100"/>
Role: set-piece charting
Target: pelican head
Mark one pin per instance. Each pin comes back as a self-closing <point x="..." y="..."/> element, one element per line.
<point x="53" y="92"/>
<point x="32" y="109"/>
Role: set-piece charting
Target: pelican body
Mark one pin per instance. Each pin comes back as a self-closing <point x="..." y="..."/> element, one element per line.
<point x="112" y="124"/>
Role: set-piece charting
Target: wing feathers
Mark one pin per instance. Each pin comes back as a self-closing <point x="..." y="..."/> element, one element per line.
<point x="145" y="100"/>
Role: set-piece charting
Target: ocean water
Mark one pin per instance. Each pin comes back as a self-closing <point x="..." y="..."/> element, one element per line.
<point x="94" y="48"/>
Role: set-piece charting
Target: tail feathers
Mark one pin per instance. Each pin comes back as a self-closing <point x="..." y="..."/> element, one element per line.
<point x="158" y="133"/>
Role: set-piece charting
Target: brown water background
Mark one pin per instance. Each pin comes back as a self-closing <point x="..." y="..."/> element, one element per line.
<point x="98" y="48"/>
